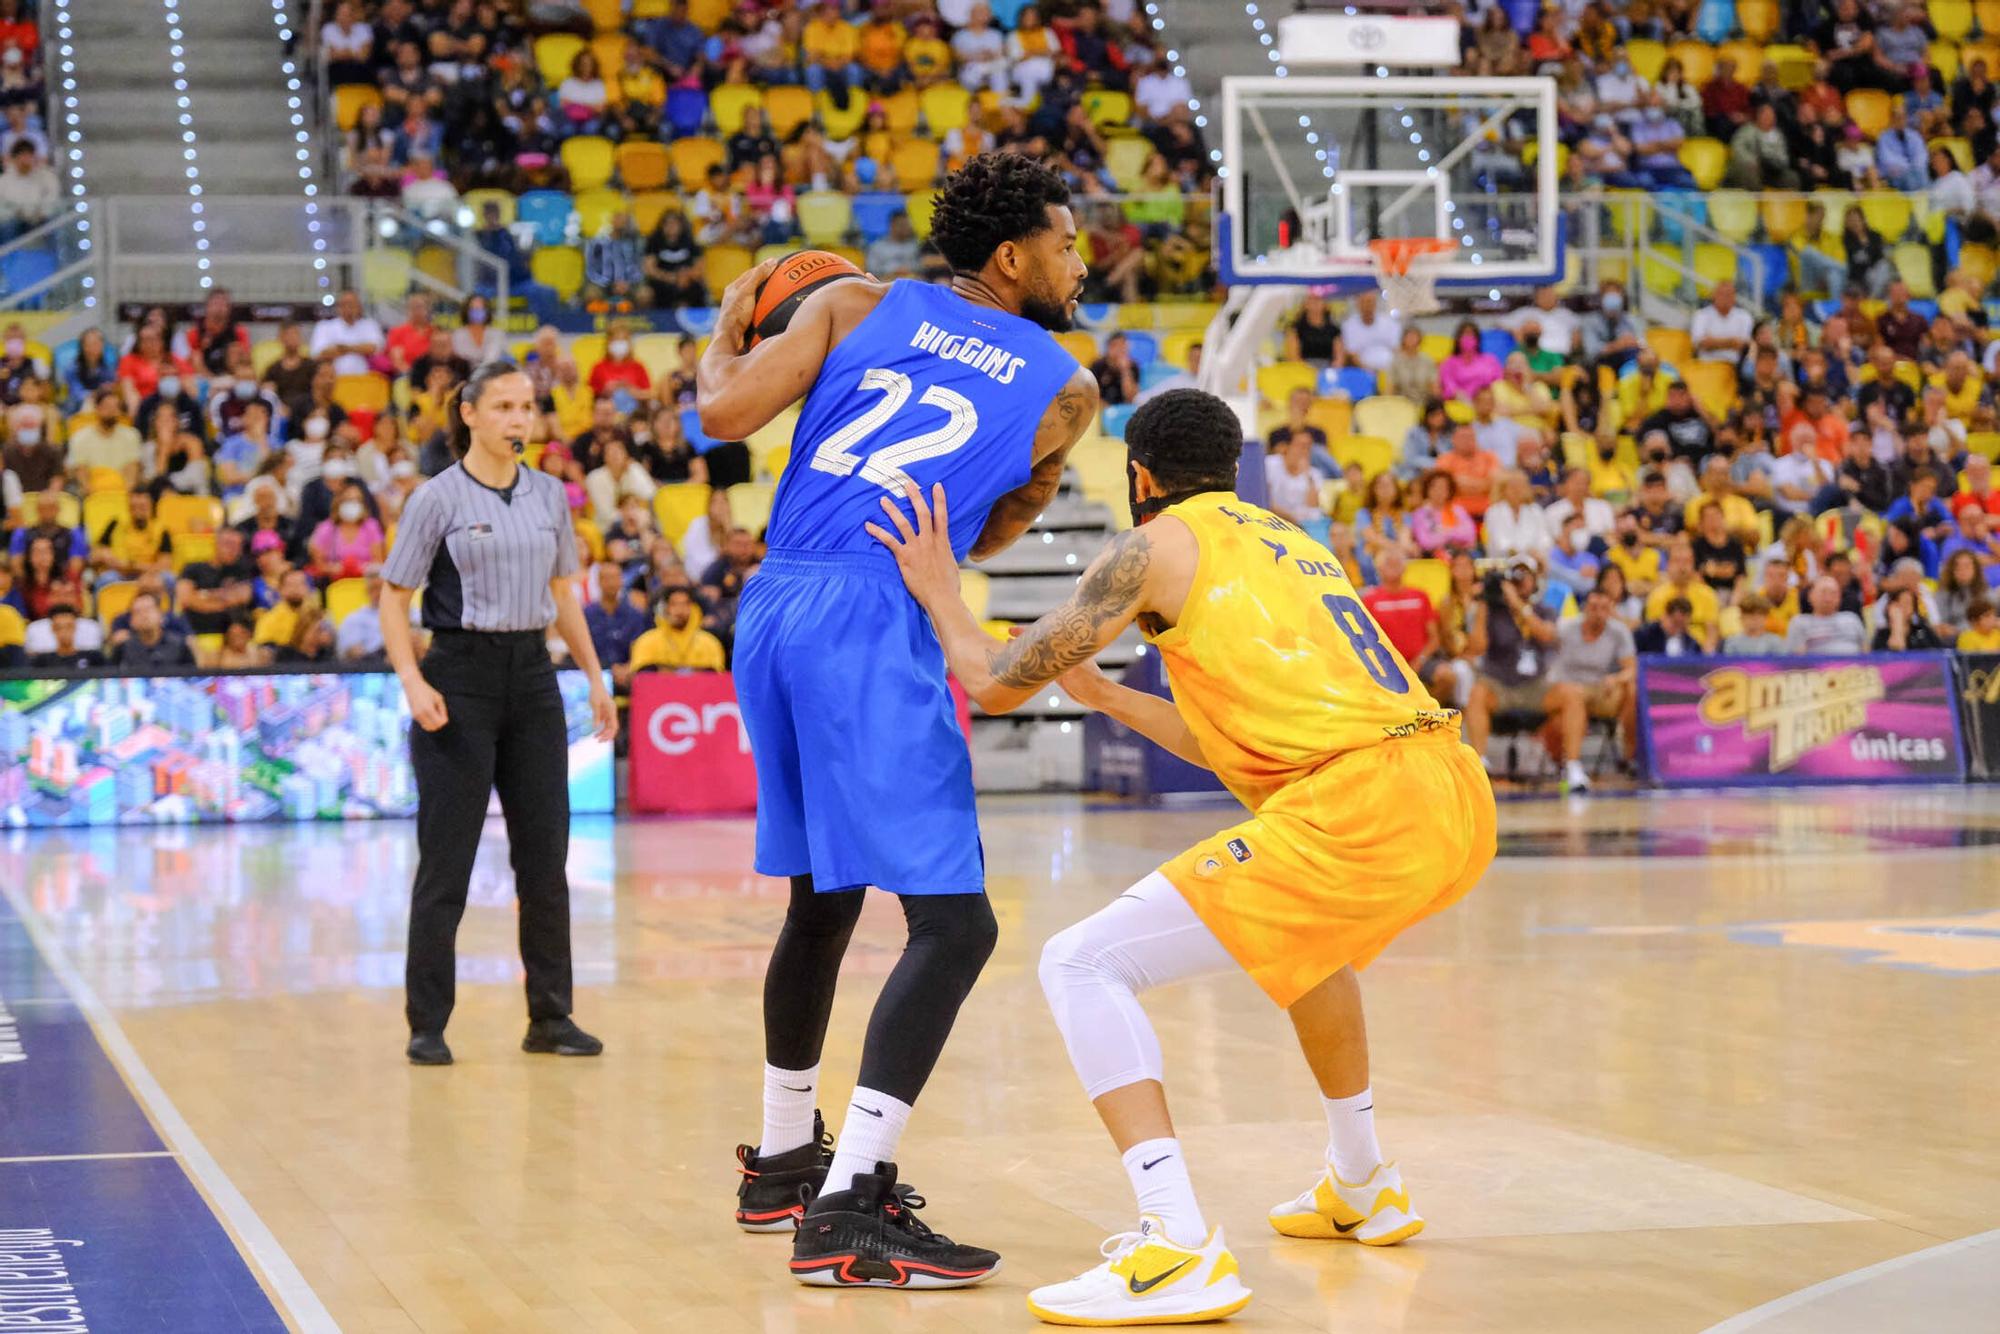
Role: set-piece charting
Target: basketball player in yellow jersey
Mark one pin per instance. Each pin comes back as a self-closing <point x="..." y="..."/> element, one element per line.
<point x="1368" y="814"/>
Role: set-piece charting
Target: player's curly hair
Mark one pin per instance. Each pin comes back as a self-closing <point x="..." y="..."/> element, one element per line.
<point x="1188" y="439"/>
<point x="995" y="197"/>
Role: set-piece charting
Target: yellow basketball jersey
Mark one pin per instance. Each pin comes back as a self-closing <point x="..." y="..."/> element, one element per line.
<point x="1276" y="665"/>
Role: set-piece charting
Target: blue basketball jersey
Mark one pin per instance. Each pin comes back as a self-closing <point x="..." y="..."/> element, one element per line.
<point x="928" y="388"/>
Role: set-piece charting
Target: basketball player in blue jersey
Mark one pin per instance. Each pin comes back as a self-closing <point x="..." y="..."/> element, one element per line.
<point x="863" y="777"/>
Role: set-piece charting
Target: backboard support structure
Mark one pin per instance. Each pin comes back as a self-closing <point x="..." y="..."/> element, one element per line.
<point x="1315" y="167"/>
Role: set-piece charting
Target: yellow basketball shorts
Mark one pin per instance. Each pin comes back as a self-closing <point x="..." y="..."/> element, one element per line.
<point x="1334" y="867"/>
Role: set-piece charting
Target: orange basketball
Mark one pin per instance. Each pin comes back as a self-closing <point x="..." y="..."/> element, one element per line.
<point x="797" y="277"/>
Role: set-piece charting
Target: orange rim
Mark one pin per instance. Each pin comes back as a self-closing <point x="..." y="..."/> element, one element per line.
<point x="1395" y="253"/>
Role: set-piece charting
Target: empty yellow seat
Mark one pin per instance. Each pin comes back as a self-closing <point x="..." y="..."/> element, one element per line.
<point x="560" y="267"/>
<point x="1385" y="415"/>
<point x="915" y="162"/>
<point x="730" y="100"/>
<point x="825" y="216"/>
<point x="692" y="157"/>
<point x="1913" y="264"/>
<point x="643" y="165"/>
<point x="1869" y="108"/>
<point x="1758" y="19"/>
<point x="553" y="53"/>
<point x="1713" y="384"/>
<point x="1886" y="211"/>
<point x="113" y="600"/>
<point x="1706" y="160"/>
<point x="1697" y="60"/>
<point x="722" y="265"/>
<point x="1733" y="213"/>
<point x="1782" y="216"/>
<point x="350" y="98"/>
<point x="786" y="108"/>
<point x="1945" y="56"/>
<point x="594" y="209"/>
<point x="1371" y="452"/>
<point x="1277" y="381"/>
<point x="1951" y="18"/>
<point x="1647" y="57"/>
<point x="648" y="205"/>
<point x="677" y="505"/>
<point x="946" y="107"/>
<point x="344" y="596"/>
<point x="1673" y="345"/>
<point x="588" y="159"/>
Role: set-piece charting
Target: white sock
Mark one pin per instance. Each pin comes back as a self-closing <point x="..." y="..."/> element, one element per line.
<point x="1159" y="1175"/>
<point x="1350" y="1137"/>
<point x="790" y="1097"/>
<point x="873" y="1128"/>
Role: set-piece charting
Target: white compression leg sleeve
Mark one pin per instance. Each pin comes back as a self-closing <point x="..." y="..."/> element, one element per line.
<point x="1093" y="972"/>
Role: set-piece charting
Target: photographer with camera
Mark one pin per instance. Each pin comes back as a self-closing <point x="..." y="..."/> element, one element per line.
<point x="1509" y="637"/>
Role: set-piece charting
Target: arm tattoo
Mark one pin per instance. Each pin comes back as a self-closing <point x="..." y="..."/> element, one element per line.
<point x="1068" y="635"/>
<point x="1071" y="404"/>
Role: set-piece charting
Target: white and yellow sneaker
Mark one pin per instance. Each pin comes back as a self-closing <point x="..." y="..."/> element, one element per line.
<point x="1147" y="1279"/>
<point x="1374" y="1212"/>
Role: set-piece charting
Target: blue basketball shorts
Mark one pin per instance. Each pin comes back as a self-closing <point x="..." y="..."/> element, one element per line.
<point x="863" y="776"/>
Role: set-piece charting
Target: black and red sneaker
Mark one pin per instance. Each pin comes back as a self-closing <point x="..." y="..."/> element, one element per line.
<point x="870" y="1237"/>
<point x="772" y="1194"/>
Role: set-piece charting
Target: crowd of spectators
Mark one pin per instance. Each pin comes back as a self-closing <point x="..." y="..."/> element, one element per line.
<point x="191" y="499"/>
<point x="29" y="191"/>
<point x="771" y="107"/>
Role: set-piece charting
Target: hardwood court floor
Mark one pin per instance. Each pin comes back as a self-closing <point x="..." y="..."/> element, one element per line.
<point x="1675" y="1058"/>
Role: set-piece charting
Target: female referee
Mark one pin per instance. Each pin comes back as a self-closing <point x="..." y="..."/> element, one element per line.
<point x="490" y="541"/>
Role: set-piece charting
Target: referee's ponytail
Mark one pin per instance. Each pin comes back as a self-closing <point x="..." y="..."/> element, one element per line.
<point x="457" y="432"/>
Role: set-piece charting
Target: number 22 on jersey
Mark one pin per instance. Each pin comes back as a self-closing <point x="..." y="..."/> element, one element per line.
<point x="886" y="466"/>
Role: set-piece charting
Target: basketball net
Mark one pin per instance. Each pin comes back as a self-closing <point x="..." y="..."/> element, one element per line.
<point x="1407" y="270"/>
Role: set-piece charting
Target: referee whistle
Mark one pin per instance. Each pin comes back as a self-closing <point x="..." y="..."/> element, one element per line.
<point x="520" y="445"/>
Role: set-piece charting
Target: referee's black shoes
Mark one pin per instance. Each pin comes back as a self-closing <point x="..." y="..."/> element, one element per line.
<point x="428" y="1049"/>
<point x="559" y="1037"/>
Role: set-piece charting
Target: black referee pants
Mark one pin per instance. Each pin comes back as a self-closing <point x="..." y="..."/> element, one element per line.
<point x="506" y="732"/>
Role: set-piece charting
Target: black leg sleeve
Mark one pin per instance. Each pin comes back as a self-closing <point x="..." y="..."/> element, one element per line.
<point x="531" y="771"/>
<point x="951" y="937"/>
<point x="805" y="965"/>
<point x="454" y="773"/>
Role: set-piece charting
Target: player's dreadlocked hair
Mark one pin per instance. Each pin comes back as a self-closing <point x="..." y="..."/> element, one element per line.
<point x="1188" y="439"/>
<point x="995" y="197"/>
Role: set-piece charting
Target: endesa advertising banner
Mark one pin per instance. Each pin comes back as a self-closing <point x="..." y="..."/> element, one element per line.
<point x="689" y="750"/>
<point x="1979" y="697"/>
<point x="1886" y="718"/>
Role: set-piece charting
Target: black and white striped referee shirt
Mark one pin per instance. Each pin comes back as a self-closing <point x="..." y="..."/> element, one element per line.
<point x="484" y="557"/>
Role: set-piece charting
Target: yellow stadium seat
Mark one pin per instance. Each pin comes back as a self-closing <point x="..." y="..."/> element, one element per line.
<point x="920" y="205"/>
<point x="1733" y="213"/>
<point x="1706" y="160"/>
<point x="750" y="504"/>
<point x="1782" y="215"/>
<point x="113" y="600"/>
<point x="721" y="265"/>
<point x="1713" y="264"/>
<point x="659" y="353"/>
<point x="1108" y="107"/>
<point x="774" y="463"/>
<point x="946" y="107"/>
<point x="1869" y="108"/>
<point x="915" y="162"/>
<point x="1276" y="381"/>
<point x="265" y="352"/>
<point x="362" y="393"/>
<point x="840" y="122"/>
<point x="350" y="98"/>
<point x="692" y="157"/>
<point x="477" y="200"/>
<point x="648" y="205"/>
<point x="901" y="108"/>
<point x="1758" y="19"/>
<point x="1959" y="148"/>
<point x="1980" y="261"/>
<point x="1986" y="444"/>
<point x="1458" y="411"/>
<point x="385" y="277"/>
<point x="1697" y="60"/>
<point x="183" y="515"/>
<point x="677" y="505"/>
<point x="1951" y="18"/>
<point x="1713" y="384"/>
<point x="1674" y="346"/>
<point x="553" y="53"/>
<point x="1386" y="415"/>
<point x="1373" y="453"/>
<point x="605" y="15"/>
<point x="825" y="216"/>
<point x="1748" y="57"/>
<point x="774" y="436"/>
<point x="560" y="267"/>
<point x="975" y="588"/>
<point x="435" y="261"/>
<point x="1174" y="349"/>
<point x="1126" y="159"/>
<point x="1080" y="344"/>
<point x="852" y="254"/>
<point x="1887" y="212"/>
<point x="594" y="209"/>
<point x="1647" y="57"/>
<point x="728" y="103"/>
<point x="1335" y="416"/>
<point x="1436" y="346"/>
<point x="1913" y="264"/>
<point x="344" y="596"/>
<point x="1795" y="64"/>
<point x="609" y="48"/>
<point x="708" y="14"/>
<point x="643" y="165"/>
<point x="786" y="108"/>
<point x="192" y="547"/>
<point x="589" y="161"/>
<point x="586" y="350"/>
<point x="1944" y="55"/>
<point x="103" y="508"/>
<point x="775" y="250"/>
<point x="1432" y="576"/>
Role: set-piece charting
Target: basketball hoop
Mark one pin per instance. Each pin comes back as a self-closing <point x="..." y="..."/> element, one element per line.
<point x="1407" y="268"/>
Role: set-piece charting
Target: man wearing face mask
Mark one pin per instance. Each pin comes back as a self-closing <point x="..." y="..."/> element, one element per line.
<point x="234" y="390"/>
<point x="1610" y="338"/>
<point x="175" y="396"/>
